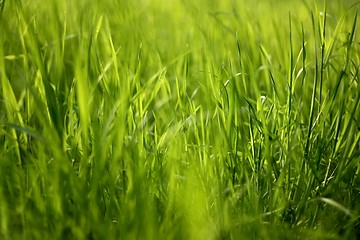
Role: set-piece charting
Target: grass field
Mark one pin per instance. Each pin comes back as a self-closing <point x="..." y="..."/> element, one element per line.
<point x="179" y="119"/>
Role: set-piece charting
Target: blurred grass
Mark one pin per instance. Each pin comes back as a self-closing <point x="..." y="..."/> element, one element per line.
<point x="179" y="120"/>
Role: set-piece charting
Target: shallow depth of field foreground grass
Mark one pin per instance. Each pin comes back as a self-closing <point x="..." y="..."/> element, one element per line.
<point x="179" y="119"/>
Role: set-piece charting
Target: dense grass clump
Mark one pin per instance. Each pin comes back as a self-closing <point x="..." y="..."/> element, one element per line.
<point x="179" y="119"/>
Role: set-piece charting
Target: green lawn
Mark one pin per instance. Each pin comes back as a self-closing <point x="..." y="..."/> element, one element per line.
<point x="179" y="119"/>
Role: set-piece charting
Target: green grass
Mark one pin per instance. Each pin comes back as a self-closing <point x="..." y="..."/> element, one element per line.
<point x="179" y="119"/>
